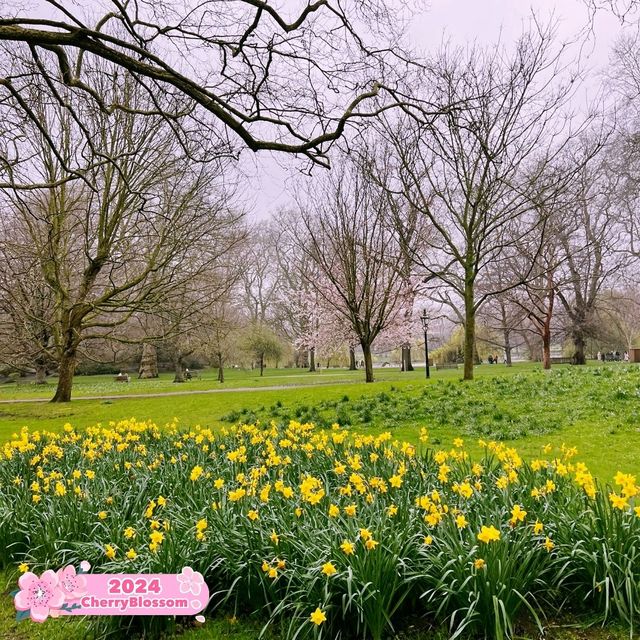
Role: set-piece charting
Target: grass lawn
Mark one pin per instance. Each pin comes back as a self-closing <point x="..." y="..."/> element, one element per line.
<point x="596" y="408"/>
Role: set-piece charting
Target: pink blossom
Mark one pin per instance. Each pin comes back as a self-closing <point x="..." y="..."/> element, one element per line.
<point x="190" y="581"/>
<point x="73" y="586"/>
<point x="85" y="565"/>
<point x="39" y="595"/>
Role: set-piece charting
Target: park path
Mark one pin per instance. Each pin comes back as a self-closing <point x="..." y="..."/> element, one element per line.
<point x="194" y="392"/>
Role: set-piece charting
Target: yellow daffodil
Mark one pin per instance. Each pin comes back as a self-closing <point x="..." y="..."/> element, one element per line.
<point x="489" y="534"/>
<point x="196" y="472"/>
<point x="347" y="547"/>
<point x="318" y="617"/>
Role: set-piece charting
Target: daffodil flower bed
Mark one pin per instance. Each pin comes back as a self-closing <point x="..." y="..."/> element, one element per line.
<point x="328" y="532"/>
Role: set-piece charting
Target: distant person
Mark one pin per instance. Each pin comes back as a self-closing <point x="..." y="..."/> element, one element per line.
<point x="187" y="374"/>
<point x="626" y="356"/>
<point x="598" y="356"/>
<point x="495" y="358"/>
<point x="490" y="359"/>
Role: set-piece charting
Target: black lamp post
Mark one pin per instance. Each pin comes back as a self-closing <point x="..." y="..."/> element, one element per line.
<point x="425" y="325"/>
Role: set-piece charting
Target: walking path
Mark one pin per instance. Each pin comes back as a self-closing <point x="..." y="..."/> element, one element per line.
<point x="194" y="392"/>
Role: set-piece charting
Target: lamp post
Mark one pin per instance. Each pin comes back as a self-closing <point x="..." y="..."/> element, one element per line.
<point x="425" y="324"/>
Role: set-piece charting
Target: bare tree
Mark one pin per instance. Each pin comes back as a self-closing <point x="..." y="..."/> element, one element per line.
<point x="260" y="277"/>
<point x="242" y="70"/>
<point x="619" y="314"/>
<point x="472" y="170"/>
<point x="356" y="252"/>
<point x="26" y="307"/>
<point x="119" y="240"/>
<point x="587" y="244"/>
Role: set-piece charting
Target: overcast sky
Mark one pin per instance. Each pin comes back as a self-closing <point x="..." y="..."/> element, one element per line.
<point x="458" y="22"/>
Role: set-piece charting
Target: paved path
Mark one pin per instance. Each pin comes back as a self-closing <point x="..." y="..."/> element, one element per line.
<point x="194" y="392"/>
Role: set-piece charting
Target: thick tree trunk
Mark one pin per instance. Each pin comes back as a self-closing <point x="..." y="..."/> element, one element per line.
<point x="66" y="369"/>
<point x="469" y="331"/>
<point x="179" y="369"/>
<point x="368" y="362"/>
<point x="312" y="359"/>
<point x="41" y="374"/>
<point x="579" y="343"/>
<point x="148" y="361"/>
<point x="406" y="359"/>
<point x="352" y="360"/>
<point x="220" y="368"/>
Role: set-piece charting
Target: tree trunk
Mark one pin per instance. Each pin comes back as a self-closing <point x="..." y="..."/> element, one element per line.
<point x="312" y="359"/>
<point x="220" y="368"/>
<point x="261" y="364"/>
<point x="368" y="362"/>
<point x="178" y="368"/>
<point x="507" y="346"/>
<point x="546" y="347"/>
<point x="41" y="374"/>
<point x="148" y="361"/>
<point x="406" y="359"/>
<point x="66" y="369"/>
<point x="469" y="331"/>
<point x="352" y="360"/>
<point x="578" y="343"/>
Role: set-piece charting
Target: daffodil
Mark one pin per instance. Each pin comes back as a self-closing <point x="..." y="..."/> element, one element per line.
<point x="347" y="547"/>
<point x="489" y="534"/>
<point x="318" y="617"/>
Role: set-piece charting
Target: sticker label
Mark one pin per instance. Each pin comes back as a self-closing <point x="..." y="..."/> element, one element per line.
<point x="71" y="592"/>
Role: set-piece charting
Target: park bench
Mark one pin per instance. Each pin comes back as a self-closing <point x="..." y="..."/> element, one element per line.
<point x="121" y="377"/>
<point x="446" y="365"/>
<point x="561" y="360"/>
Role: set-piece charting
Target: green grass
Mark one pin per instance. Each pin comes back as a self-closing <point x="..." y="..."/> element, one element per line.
<point x="104" y="385"/>
<point x="593" y="408"/>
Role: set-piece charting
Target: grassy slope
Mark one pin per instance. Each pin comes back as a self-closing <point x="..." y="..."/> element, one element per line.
<point x="581" y="409"/>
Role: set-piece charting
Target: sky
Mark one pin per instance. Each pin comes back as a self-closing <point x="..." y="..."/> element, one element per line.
<point x="459" y="22"/>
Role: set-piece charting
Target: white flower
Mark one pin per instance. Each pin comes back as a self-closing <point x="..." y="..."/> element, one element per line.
<point x="190" y="581"/>
<point x="85" y="566"/>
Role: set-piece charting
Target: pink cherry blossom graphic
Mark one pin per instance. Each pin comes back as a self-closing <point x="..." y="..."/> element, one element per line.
<point x="190" y="581"/>
<point x="73" y="586"/>
<point x="40" y="596"/>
